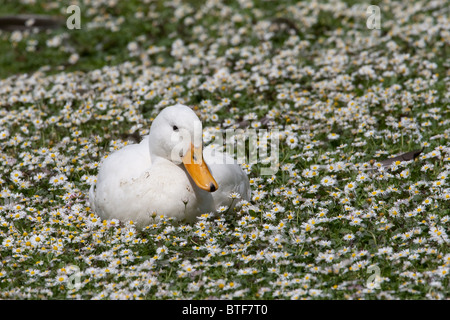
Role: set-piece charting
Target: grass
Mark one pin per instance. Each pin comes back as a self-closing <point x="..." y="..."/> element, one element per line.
<point x="343" y="98"/>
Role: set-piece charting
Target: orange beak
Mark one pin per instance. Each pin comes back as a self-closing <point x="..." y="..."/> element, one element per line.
<point x="198" y="170"/>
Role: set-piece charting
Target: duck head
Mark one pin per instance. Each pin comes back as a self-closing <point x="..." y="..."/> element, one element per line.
<point x="176" y="135"/>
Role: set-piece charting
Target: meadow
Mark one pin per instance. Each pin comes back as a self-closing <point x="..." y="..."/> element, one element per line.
<point x="338" y="219"/>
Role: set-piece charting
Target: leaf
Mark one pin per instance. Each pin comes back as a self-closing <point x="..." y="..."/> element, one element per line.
<point x="30" y="21"/>
<point x="408" y="156"/>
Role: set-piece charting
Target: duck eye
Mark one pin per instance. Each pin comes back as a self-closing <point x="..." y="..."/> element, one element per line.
<point x="175" y="128"/>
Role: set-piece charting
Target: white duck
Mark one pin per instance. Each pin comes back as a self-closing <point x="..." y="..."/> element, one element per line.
<point x="167" y="174"/>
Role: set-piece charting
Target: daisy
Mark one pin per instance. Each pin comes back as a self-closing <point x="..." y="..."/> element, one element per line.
<point x="278" y="209"/>
<point x="350" y="187"/>
<point x="100" y="105"/>
<point x="404" y="174"/>
<point x="394" y="212"/>
<point x="269" y="215"/>
<point x="361" y="177"/>
<point x="292" y="141"/>
<point x="333" y="136"/>
<point x="349" y="237"/>
<point x="419" y="209"/>
<point x="58" y="180"/>
<point x="37" y="240"/>
<point x="222" y="209"/>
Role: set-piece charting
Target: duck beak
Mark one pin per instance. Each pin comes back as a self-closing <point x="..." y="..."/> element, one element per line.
<point x="198" y="170"/>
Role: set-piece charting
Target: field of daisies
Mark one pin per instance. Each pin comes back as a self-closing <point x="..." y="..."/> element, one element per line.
<point x="338" y="220"/>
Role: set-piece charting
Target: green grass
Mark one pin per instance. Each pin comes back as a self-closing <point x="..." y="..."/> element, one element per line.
<point x="302" y="74"/>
